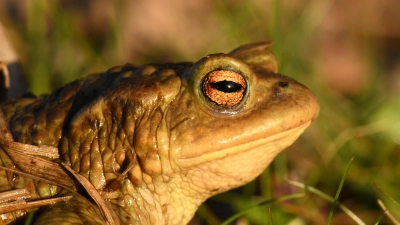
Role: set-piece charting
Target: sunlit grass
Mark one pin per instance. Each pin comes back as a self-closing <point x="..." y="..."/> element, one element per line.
<point x="334" y="201"/>
<point x="29" y="218"/>
<point x="386" y="212"/>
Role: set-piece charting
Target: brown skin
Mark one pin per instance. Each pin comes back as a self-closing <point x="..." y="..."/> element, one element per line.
<point x="178" y="131"/>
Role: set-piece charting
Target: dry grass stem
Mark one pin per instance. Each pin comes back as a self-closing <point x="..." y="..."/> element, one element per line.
<point x="14" y="195"/>
<point x="391" y="217"/>
<point x="32" y="150"/>
<point x="23" y="205"/>
<point x="7" y="53"/>
<point x="38" y="167"/>
<point x="108" y="213"/>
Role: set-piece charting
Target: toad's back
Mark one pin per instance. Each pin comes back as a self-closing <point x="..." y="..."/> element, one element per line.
<point x="146" y="138"/>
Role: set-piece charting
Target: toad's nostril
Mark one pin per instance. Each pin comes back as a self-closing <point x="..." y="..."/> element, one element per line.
<point x="283" y="84"/>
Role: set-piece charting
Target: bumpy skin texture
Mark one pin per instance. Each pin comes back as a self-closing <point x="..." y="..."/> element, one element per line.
<point x="152" y="142"/>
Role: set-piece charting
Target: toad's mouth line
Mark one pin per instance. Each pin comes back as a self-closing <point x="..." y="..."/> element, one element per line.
<point x="272" y="143"/>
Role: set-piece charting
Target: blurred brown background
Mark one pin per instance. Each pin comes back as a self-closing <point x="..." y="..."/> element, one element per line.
<point x="143" y="31"/>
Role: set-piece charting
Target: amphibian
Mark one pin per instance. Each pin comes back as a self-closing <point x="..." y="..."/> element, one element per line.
<point x="158" y="140"/>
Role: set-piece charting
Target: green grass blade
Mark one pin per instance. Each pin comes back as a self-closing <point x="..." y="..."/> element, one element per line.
<point x="313" y="190"/>
<point x="380" y="217"/>
<point x="206" y="214"/>
<point x="386" y="212"/>
<point x="335" y="201"/>
<point x="29" y="218"/>
<point x="380" y="190"/>
<point x="263" y="203"/>
<point x="270" y="216"/>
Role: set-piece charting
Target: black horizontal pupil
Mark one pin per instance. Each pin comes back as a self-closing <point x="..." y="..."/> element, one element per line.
<point x="226" y="86"/>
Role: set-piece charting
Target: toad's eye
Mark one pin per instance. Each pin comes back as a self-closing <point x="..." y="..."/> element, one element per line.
<point x="224" y="88"/>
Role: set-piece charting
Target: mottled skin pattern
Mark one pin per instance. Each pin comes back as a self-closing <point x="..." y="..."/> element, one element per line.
<point x="152" y="143"/>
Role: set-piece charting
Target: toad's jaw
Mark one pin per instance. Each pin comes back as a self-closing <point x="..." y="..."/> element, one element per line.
<point x="272" y="145"/>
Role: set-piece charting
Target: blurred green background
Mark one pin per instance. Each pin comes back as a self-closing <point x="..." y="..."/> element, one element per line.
<point x="346" y="52"/>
